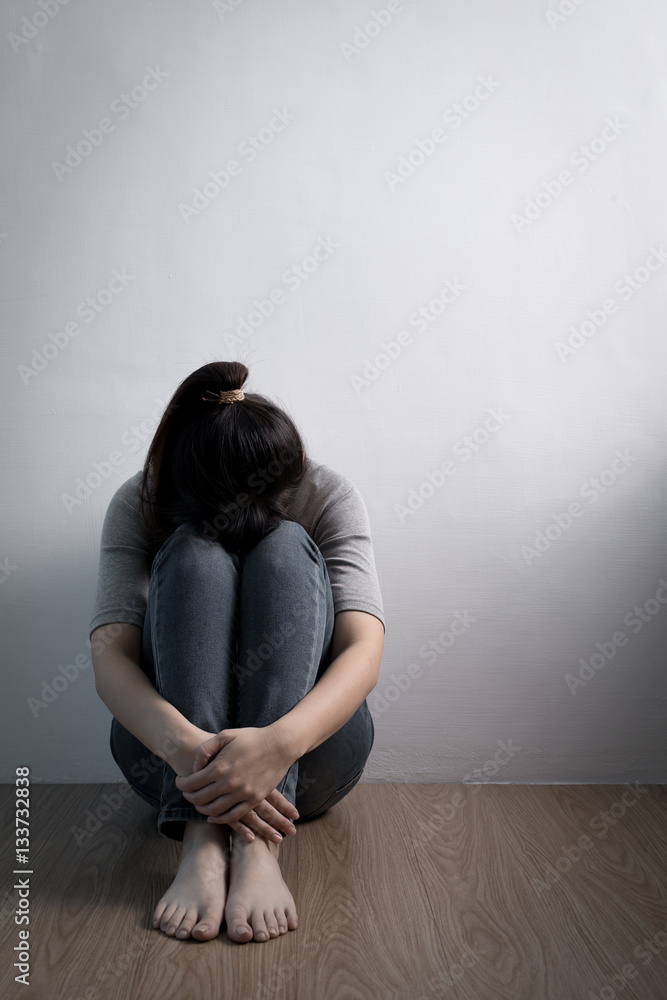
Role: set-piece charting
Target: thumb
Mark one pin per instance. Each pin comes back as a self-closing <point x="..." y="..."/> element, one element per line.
<point x="205" y="751"/>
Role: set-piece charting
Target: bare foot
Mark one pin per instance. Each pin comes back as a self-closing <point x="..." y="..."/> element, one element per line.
<point x="259" y="904"/>
<point x="194" y="903"/>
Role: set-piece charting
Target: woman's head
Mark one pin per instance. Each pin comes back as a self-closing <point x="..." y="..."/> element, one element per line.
<point x="230" y="467"/>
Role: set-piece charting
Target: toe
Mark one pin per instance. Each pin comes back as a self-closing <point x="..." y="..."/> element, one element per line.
<point x="271" y="923"/>
<point x="166" y="915"/>
<point x="238" y="928"/>
<point x="187" y="923"/>
<point x="259" y="927"/>
<point x="175" y="920"/>
<point x="157" y="915"/>
<point x="208" y="927"/>
<point x="292" y="920"/>
<point x="281" y="921"/>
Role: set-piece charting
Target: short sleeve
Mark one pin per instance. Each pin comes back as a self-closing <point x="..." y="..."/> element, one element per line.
<point x="124" y="567"/>
<point x="342" y="534"/>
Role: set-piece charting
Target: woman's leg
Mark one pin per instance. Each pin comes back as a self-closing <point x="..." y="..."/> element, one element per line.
<point x="285" y="645"/>
<point x="190" y="642"/>
<point x="187" y="645"/>
<point x="285" y="636"/>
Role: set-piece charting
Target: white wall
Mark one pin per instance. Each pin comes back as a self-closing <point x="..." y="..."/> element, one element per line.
<point x="551" y="89"/>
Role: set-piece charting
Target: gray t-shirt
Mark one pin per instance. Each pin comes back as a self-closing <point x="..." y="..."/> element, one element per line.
<point x="327" y="504"/>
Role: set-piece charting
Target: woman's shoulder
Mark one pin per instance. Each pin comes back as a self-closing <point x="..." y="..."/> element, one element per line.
<point x="325" y="482"/>
<point x="325" y="498"/>
<point x="128" y="492"/>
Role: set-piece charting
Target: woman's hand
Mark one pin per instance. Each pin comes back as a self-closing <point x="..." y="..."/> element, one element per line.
<point x="235" y="771"/>
<point x="268" y="819"/>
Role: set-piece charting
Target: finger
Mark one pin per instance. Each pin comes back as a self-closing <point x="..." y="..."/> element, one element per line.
<point x="194" y="782"/>
<point x="235" y="813"/>
<point x="217" y="792"/>
<point x="202" y="796"/>
<point x="275" y="798"/>
<point x="272" y="817"/>
<point x="202" y="757"/>
<point x="243" y="830"/>
<point x="260" y="826"/>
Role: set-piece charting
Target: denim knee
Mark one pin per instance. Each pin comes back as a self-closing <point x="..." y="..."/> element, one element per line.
<point x="193" y="547"/>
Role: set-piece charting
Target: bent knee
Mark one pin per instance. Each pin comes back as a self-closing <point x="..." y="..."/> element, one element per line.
<point x="192" y="550"/>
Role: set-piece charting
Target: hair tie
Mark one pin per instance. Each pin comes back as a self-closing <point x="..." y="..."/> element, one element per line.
<point x="225" y="396"/>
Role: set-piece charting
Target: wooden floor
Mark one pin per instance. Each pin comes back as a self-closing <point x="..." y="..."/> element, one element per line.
<point x="412" y="892"/>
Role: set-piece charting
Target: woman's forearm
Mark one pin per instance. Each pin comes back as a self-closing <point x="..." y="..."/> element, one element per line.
<point x="131" y="697"/>
<point x="331" y="702"/>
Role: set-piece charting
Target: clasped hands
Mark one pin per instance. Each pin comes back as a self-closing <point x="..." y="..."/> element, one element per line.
<point x="234" y="778"/>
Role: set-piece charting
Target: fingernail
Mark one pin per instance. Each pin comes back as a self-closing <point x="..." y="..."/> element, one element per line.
<point x="276" y="836"/>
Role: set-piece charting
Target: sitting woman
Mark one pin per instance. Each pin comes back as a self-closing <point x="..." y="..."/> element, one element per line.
<point x="236" y="633"/>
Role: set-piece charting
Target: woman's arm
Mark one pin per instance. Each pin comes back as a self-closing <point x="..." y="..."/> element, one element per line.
<point x="358" y="641"/>
<point x="237" y="766"/>
<point x="131" y="697"/>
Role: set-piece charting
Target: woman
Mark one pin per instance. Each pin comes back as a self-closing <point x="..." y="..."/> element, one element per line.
<point x="236" y="633"/>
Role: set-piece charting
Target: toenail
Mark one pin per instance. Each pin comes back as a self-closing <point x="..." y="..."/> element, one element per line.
<point x="203" y="927"/>
<point x="241" y="930"/>
<point x="260" y="935"/>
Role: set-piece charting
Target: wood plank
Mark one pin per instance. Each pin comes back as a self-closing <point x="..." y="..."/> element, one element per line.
<point x="480" y="868"/>
<point x="368" y="927"/>
<point x="412" y="892"/>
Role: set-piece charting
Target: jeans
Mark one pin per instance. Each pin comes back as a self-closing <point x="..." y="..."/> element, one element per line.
<point x="238" y="639"/>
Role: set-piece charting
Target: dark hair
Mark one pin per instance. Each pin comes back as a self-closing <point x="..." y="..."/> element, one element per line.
<point x="231" y="468"/>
